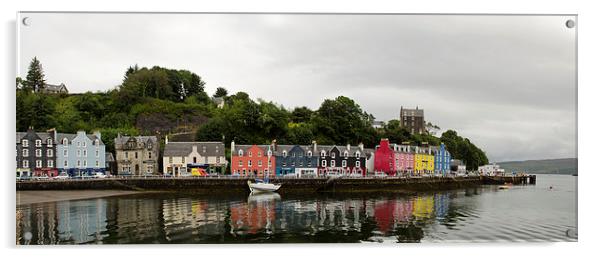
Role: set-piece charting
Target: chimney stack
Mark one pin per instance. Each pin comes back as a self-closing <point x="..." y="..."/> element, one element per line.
<point x="361" y="146"/>
<point x="97" y="134"/>
<point x="315" y="146"/>
<point x="274" y="145"/>
<point x="348" y="147"/>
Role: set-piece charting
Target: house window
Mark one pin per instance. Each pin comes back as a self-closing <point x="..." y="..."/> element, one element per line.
<point x="333" y="155"/>
<point x="183" y="159"/>
<point x="309" y="154"/>
<point x="127" y="155"/>
<point x="344" y="164"/>
<point x="38" y="143"/>
<point x="250" y="154"/>
<point x="323" y="154"/>
<point x="84" y="144"/>
<point x="38" y="153"/>
<point x="323" y="163"/>
<point x="49" y="152"/>
<point x="239" y="163"/>
<point x="25" y="164"/>
<point x="332" y="163"/>
<point x="50" y="163"/>
<point x="170" y="159"/>
<point x="357" y="163"/>
<point x="49" y="142"/>
<point x="346" y="154"/>
<point x="65" y="164"/>
<point x="250" y="163"/>
<point x="85" y="153"/>
<point x="194" y="160"/>
<point x="25" y="153"/>
<point x="97" y="163"/>
<point x="65" y="152"/>
<point x="25" y="143"/>
<point x="217" y="159"/>
<point x="79" y="163"/>
<point x="65" y="141"/>
<point x="206" y="159"/>
<point x="284" y="153"/>
<point x="217" y="149"/>
<point x="150" y="155"/>
<point x="259" y="163"/>
<point x="357" y="154"/>
<point x="96" y="142"/>
<point x="38" y="163"/>
<point x="79" y="153"/>
<point x="269" y="152"/>
<point x="85" y="163"/>
<point x="204" y="149"/>
<point x="240" y="152"/>
<point x="258" y="154"/>
<point x="136" y="155"/>
<point x="79" y="144"/>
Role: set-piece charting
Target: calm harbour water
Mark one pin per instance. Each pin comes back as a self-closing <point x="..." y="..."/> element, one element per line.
<point x="485" y="214"/>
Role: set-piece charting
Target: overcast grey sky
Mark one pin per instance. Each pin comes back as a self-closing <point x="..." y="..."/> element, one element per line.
<point x="505" y="82"/>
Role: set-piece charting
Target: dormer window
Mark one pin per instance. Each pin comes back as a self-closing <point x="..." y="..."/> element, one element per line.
<point x="240" y="152"/>
<point x="346" y="154"/>
<point x="258" y="154"/>
<point x="333" y="155"/>
<point x="309" y="153"/>
<point x="323" y="153"/>
<point x="49" y="142"/>
<point x="269" y="152"/>
<point x="96" y="142"/>
<point x="357" y="154"/>
<point x="250" y="154"/>
<point x="284" y="153"/>
<point x="65" y="141"/>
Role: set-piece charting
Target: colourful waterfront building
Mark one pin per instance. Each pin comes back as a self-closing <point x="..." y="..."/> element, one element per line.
<point x="295" y="160"/>
<point x="406" y="159"/>
<point x="189" y="158"/>
<point x="342" y="160"/>
<point x="424" y="161"/>
<point x="442" y="160"/>
<point x="252" y="160"/>
<point x="384" y="160"/>
<point x="80" y="154"/>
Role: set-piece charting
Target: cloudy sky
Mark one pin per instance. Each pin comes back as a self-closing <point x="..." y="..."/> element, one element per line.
<point x="505" y="82"/>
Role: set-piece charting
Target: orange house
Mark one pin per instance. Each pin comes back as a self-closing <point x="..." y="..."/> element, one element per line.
<point x="252" y="160"/>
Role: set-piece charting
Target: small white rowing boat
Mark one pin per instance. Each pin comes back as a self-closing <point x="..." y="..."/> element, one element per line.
<point x="262" y="186"/>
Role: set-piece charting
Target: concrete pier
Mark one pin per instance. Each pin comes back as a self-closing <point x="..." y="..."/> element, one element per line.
<point x="227" y="184"/>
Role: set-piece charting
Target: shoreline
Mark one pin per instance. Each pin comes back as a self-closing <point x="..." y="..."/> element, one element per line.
<point x="32" y="196"/>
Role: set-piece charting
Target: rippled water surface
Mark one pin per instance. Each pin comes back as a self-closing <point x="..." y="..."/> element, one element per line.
<point x="485" y="214"/>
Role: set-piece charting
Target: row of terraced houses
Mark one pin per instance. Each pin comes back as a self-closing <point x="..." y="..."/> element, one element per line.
<point x="50" y="153"/>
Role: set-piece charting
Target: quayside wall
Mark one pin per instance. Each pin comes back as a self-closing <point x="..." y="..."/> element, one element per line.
<point x="218" y="185"/>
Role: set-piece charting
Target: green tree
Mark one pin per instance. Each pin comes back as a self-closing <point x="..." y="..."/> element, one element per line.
<point x="35" y="77"/>
<point x="220" y="92"/>
<point x="342" y="121"/>
<point x="301" y="114"/>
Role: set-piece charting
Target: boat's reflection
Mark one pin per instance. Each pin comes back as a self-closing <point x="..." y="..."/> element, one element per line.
<point x="262" y="197"/>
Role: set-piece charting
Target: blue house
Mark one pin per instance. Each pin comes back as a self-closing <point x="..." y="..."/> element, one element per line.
<point x="442" y="159"/>
<point x="296" y="160"/>
<point x="80" y="154"/>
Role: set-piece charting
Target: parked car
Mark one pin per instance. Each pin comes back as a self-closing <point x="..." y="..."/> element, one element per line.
<point x="43" y="177"/>
<point x="61" y="176"/>
<point x="100" y="175"/>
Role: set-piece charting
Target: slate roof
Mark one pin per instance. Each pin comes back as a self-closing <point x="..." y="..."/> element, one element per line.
<point x="185" y="148"/>
<point x="42" y="135"/>
<point x="70" y="137"/>
<point x="123" y="139"/>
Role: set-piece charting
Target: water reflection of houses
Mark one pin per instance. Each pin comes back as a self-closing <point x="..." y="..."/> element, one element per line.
<point x="256" y="215"/>
<point x="137" y="220"/>
<point x="62" y="222"/>
<point x="187" y="218"/>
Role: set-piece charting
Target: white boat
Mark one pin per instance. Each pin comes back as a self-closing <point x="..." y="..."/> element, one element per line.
<point x="262" y="186"/>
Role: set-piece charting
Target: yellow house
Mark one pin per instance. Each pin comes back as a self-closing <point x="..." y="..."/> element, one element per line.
<point x="424" y="161"/>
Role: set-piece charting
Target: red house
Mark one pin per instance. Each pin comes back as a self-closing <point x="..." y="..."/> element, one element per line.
<point x="252" y="161"/>
<point x="384" y="158"/>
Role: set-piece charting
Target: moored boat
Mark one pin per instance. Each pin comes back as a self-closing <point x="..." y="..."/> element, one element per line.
<point x="262" y="186"/>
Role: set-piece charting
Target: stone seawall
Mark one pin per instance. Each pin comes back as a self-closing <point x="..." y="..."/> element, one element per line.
<point x="288" y="184"/>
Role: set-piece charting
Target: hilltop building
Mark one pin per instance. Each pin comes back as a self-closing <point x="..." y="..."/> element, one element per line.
<point x="412" y="120"/>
